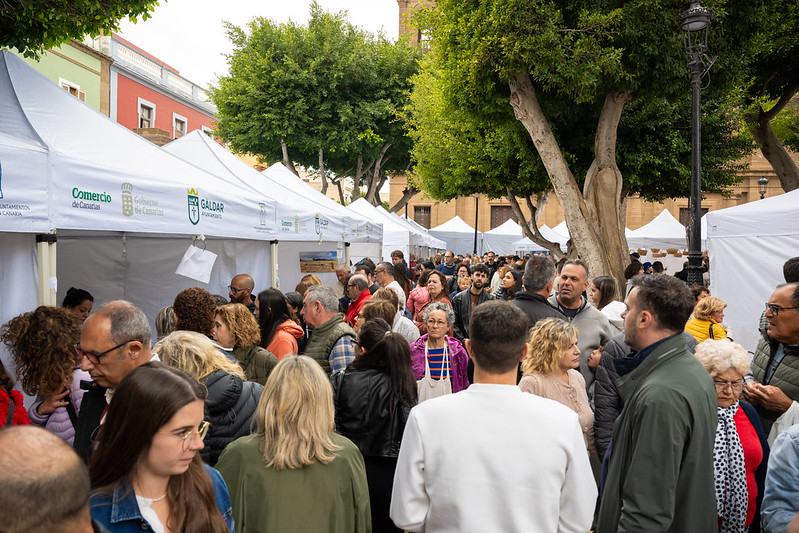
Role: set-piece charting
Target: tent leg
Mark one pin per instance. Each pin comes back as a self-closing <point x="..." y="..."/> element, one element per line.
<point x="275" y="279"/>
<point x="46" y="254"/>
<point x="347" y="254"/>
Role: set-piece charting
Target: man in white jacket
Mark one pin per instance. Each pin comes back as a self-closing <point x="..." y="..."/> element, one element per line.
<point x="492" y="458"/>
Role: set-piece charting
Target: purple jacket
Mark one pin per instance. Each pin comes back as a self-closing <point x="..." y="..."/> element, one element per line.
<point x="58" y="421"/>
<point x="458" y="361"/>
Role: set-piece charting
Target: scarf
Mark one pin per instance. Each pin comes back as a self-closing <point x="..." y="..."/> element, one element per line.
<point x="730" y="473"/>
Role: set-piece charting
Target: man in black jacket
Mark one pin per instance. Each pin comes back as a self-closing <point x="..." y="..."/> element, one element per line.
<point x="464" y="301"/>
<point x="539" y="276"/>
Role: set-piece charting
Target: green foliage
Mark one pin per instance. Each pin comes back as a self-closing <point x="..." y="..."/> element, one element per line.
<point x="576" y="52"/>
<point x="32" y="26"/>
<point x="786" y="126"/>
<point x="327" y="85"/>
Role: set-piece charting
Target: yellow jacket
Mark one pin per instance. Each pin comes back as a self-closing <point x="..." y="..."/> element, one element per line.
<point x="701" y="329"/>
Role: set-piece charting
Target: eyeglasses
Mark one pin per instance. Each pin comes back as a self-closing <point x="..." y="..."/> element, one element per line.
<point x="736" y="386"/>
<point x="95" y="357"/>
<point x="187" y="436"/>
<point x="439" y="323"/>
<point x="379" y="272"/>
<point x="234" y="290"/>
<point x="775" y="309"/>
<point x="351" y="285"/>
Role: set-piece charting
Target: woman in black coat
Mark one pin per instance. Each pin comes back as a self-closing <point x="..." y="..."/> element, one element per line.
<point x="373" y="398"/>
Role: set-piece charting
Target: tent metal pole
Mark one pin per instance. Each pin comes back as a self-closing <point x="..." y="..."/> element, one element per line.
<point x="46" y="263"/>
<point x="273" y="249"/>
<point x="347" y="254"/>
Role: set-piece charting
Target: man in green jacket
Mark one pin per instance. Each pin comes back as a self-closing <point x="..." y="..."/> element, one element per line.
<point x="660" y="473"/>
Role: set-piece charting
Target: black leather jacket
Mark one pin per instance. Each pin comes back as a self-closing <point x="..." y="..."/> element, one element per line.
<point x="367" y="412"/>
<point x="229" y="407"/>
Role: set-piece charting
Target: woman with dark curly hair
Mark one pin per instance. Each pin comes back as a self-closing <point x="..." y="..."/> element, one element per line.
<point x="79" y="302"/>
<point x="42" y="343"/>
<point x="237" y="332"/>
<point x="194" y="311"/>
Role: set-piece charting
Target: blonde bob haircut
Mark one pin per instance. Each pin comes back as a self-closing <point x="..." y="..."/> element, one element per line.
<point x="549" y="338"/>
<point x="295" y="416"/>
<point x="718" y="356"/>
<point x="242" y="325"/>
<point x="195" y="354"/>
<point x="709" y="306"/>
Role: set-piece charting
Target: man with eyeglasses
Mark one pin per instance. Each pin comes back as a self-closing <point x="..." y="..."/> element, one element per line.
<point x="775" y="366"/>
<point x="384" y="275"/>
<point x="358" y="293"/>
<point x="113" y="341"/>
<point x="240" y="291"/>
<point x="448" y="266"/>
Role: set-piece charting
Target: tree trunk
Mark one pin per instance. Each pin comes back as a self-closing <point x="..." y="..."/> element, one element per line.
<point x="586" y="241"/>
<point x="288" y="163"/>
<point x="771" y="147"/>
<point x="340" y="191"/>
<point x="530" y="227"/>
<point x="373" y="179"/>
<point x="407" y="194"/>
<point x="323" y="190"/>
<point x="603" y="186"/>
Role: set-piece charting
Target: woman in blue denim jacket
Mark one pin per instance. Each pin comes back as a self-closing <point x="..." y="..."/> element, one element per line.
<point x="146" y="472"/>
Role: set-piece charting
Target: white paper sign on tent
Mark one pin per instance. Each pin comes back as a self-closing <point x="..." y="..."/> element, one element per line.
<point x="196" y="264"/>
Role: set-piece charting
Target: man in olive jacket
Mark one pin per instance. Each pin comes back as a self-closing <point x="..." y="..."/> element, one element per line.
<point x="660" y="473"/>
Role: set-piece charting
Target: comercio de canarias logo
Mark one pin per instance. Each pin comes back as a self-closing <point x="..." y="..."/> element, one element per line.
<point x="89" y="199"/>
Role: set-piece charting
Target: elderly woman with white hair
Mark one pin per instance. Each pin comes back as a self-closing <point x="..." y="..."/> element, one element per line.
<point x="439" y="361"/>
<point x="740" y="454"/>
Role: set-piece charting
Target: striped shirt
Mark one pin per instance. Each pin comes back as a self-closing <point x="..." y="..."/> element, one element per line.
<point x="438" y="365"/>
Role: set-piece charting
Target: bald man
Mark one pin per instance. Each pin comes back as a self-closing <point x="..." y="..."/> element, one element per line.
<point x="44" y="485"/>
<point x="240" y="291"/>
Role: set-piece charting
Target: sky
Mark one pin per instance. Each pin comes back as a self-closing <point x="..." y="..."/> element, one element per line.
<point x="188" y="35"/>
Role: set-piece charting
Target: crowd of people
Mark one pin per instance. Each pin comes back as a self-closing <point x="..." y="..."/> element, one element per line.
<point x="453" y="393"/>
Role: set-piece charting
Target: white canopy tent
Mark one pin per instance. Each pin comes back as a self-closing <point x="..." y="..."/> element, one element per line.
<point x="423" y="242"/>
<point x="458" y="235"/>
<point x="501" y="240"/>
<point x="527" y="245"/>
<point x="365" y="234"/>
<point x="123" y="210"/>
<point x="304" y="224"/>
<point x="395" y="235"/>
<point x="664" y="231"/>
<point x="748" y="245"/>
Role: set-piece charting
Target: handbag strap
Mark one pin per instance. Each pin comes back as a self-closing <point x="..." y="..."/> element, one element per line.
<point x="710" y="331"/>
<point x="11" y="408"/>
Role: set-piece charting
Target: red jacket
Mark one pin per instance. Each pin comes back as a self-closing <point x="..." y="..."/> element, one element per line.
<point x="355" y="307"/>
<point x="20" y="414"/>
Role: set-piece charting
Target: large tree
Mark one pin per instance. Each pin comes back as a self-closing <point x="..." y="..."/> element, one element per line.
<point x="563" y="65"/>
<point x="326" y="95"/>
<point x="32" y="26"/>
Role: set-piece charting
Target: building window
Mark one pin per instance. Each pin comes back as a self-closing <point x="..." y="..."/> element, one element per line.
<point x="421" y="214"/>
<point x="501" y="214"/>
<point x="146" y="114"/>
<point x="178" y="126"/>
<point x="72" y="89"/>
<point x="685" y="215"/>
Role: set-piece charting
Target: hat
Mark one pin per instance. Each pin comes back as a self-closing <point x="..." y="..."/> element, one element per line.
<point x="636" y="255"/>
<point x="647" y="265"/>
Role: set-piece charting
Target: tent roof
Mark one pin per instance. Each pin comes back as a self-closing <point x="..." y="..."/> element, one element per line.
<point x="509" y="227"/>
<point x="100" y="176"/>
<point x="359" y="229"/>
<point x="664" y="231"/>
<point x="296" y="215"/>
<point x="454" y="225"/>
<point x="777" y="215"/>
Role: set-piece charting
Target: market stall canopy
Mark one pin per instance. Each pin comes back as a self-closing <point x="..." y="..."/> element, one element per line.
<point x="664" y="231"/>
<point x="458" y="235"/>
<point x="395" y="235"/>
<point x="501" y="239"/>
<point x="527" y="245"/>
<point x="421" y="237"/>
<point x="748" y="245"/>
<point x="66" y="166"/>
<point x="357" y="228"/>
<point x="297" y="217"/>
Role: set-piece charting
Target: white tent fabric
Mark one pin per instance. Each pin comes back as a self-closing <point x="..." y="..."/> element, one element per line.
<point x="67" y="167"/>
<point x="664" y="231"/>
<point x="748" y="245"/>
<point x="501" y="240"/>
<point x="526" y="245"/>
<point x="298" y="217"/>
<point x="357" y="229"/>
<point x="421" y="237"/>
<point x="458" y="235"/>
<point x="395" y="235"/>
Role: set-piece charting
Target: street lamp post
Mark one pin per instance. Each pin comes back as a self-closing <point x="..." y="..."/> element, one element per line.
<point x="476" y="207"/>
<point x="695" y="23"/>
<point x="762" y="186"/>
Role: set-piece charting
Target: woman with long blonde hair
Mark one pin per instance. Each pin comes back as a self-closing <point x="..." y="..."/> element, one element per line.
<point x="549" y="370"/>
<point x="295" y="473"/>
<point x="230" y="402"/>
